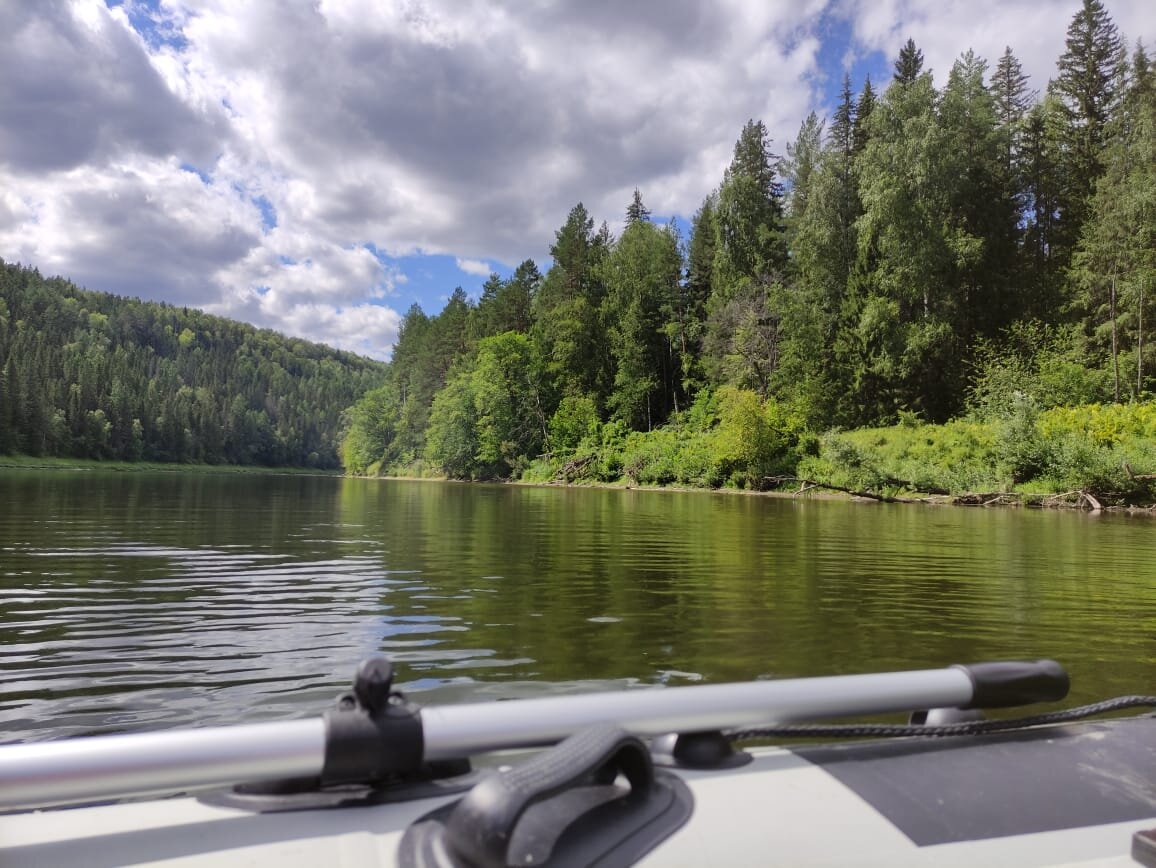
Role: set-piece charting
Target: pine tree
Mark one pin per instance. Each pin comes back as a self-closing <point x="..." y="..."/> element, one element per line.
<point x="642" y="274"/>
<point x="696" y="291"/>
<point x="566" y="308"/>
<point x="900" y="341"/>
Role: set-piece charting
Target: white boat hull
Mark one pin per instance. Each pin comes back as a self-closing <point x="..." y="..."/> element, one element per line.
<point x="781" y="809"/>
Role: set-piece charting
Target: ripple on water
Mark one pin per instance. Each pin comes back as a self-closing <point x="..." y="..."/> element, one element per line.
<point x="169" y="635"/>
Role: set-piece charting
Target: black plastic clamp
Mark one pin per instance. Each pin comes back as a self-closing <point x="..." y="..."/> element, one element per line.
<point x="373" y="733"/>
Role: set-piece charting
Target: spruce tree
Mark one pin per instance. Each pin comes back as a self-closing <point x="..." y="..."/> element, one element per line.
<point x="1013" y="99"/>
<point x="1088" y="92"/>
<point x="636" y="211"/>
<point x="863" y="109"/>
<point x="749" y="214"/>
<point x="841" y="136"/>
<point x="909" y="63"/>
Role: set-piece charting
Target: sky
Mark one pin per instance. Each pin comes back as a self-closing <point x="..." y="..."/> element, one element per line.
<point x="318" y="166"/>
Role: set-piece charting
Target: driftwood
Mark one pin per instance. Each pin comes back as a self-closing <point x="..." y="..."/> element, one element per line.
<point x="1138" y="477"/>
<point x="1068" y="499"/>
<point x="573" y="468"/>
<point x="808" y="484"/>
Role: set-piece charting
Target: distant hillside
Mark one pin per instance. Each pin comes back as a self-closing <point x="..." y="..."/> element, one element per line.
<point x="92" y="375"/>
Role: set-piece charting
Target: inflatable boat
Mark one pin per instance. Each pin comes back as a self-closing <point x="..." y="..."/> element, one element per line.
<point x="649" y="777"/>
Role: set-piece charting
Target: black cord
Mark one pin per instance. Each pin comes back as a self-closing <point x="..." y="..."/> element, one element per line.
<point x="974" y="727"/>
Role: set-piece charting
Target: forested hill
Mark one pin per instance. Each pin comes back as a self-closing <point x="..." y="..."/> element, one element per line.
<point x="93" y="375"/>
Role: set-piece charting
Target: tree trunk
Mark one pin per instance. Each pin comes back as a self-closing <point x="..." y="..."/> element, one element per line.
<point x="1115" y="351"/>
<point x="1140" y="343"/>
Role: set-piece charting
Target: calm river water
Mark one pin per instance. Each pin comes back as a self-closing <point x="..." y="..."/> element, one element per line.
<point x="141" y="600"/>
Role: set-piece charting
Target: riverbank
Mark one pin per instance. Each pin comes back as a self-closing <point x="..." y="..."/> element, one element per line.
<point x="28" y="462"/>
<point x="813" y="490"/>
<point x="1092" y="457"/>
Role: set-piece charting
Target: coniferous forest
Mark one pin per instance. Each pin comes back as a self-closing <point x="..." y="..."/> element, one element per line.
<point x="92" y="375"/>
<point x="966" y="260"/>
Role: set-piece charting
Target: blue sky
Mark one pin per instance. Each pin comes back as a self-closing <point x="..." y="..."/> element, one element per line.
<point x="317" y="166"/>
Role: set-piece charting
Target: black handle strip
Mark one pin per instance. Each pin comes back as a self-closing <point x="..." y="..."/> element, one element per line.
<point x="483" y="823"/>
<point x="1010" y="683"/>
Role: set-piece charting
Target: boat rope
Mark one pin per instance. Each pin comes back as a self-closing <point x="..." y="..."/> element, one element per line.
<point x="973" y="727"/>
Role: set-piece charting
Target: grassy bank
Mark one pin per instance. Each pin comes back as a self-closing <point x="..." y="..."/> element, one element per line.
<point x="1108" y="451"/>
<point x="733" y="440"/>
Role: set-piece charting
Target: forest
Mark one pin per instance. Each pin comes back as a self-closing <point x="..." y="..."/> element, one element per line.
<point x="978" y="255"/>
<point x="92" y="375"/>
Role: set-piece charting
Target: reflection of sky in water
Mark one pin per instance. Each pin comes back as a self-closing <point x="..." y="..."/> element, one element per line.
<point x="131" y="636"/>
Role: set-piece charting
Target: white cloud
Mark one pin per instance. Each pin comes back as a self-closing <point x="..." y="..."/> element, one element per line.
<point x="945" y="29"/>
<point x="474" y="266"/>
<point x="322" y="131"/>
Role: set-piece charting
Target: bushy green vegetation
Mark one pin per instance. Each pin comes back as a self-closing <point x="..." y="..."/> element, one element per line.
<point x="1101" y="449"/>
<point x="92" y="375"/>
<point x="954" y="262"/>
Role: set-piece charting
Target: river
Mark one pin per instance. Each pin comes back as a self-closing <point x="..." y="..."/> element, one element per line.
<point x="133" y="601"/>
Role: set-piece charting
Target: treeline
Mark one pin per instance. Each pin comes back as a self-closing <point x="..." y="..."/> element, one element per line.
<point x="92" y="375"/>
<point x="927" y="252"/>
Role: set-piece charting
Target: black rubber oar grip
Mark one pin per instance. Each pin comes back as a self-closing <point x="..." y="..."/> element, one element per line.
<point x="1015" y="682"/>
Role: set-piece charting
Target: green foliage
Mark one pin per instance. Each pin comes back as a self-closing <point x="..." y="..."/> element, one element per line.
<point x="574" y="422"/>
<point x="372" y="431"/>
<point x="488" y="420"/>
<point x="507" y="394"/>
<point x="641" y="275"/>
<point x="1097" y="448"/>
<point x="1046" y="366"/>
<point x="452" y="436"/>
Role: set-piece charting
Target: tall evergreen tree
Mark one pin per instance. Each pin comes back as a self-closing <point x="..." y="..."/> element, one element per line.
<point x="864" y="106"/>
<point x="696" y="289"/>
<point x="1115" y="263"/>
<point x="909" y="63"/>
<point x="841" y="135"/>
<point x="636" y="211"/>
<point x="1088" y="92"/>
<point x="1013" y="100"/>
<point x="749" y="214"/>
<point x="566" y="308"/>
<point x="799" y="167"/>
<point x="901" y="344"/>
<point x="981" y="214"/>
<point x="1043" y="259"/>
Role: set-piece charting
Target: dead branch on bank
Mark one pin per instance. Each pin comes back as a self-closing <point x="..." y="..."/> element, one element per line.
<point x="806" y="485"/>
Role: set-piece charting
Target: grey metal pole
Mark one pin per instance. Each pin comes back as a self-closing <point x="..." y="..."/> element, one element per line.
<point x="461" y="730"/>
<point x="51" y="773"/>
<point x="88" y="769"/>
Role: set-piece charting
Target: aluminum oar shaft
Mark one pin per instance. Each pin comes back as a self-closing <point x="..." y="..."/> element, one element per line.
<point x="461" y="730"/>
<point x="102" y="767"/>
